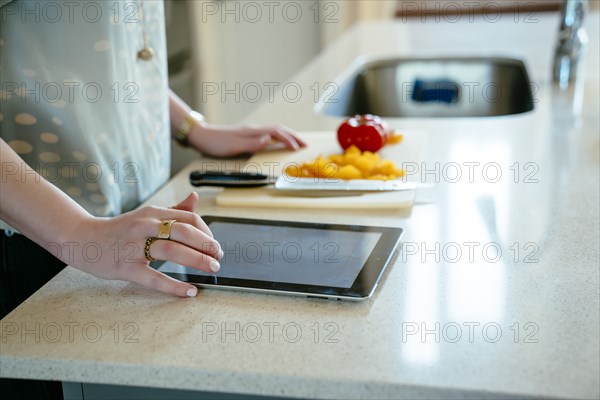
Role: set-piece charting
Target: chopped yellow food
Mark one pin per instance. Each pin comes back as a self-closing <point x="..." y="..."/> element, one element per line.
<point x="395" y="138"/>
<point x="352" y="164"/>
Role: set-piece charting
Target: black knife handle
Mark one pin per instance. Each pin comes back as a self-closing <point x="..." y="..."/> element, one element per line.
<point x="229" y="179"/>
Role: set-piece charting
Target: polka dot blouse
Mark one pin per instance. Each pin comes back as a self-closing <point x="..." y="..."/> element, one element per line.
<point x="79" y="106"/>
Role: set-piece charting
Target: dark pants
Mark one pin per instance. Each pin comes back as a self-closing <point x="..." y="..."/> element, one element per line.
<point x="25" y="267"/>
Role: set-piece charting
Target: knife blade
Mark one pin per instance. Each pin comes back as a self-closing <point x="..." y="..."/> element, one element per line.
<point x="356" y="185"/>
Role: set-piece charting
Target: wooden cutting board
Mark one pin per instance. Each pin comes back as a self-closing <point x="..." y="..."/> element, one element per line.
<point x="325" y="143"/>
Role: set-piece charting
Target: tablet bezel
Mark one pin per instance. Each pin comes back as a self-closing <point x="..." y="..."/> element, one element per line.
<point x="362" y="288"/>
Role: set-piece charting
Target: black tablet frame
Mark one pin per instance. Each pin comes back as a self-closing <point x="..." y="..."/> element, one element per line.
<point x="362" y="288"/>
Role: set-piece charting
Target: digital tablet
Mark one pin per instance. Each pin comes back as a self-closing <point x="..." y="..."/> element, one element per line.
<point x="343" y="262"/>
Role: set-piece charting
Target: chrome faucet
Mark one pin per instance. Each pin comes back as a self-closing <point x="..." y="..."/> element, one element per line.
<point x="572" y="40"/>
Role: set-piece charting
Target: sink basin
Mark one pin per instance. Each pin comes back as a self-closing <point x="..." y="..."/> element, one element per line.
<point x="433" y="87"/>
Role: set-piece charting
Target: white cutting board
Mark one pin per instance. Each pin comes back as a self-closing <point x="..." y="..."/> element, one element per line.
<point x="325" y="143"/>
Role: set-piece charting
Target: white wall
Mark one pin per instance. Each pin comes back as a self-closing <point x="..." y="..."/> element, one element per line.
<point x="246" y="44"/>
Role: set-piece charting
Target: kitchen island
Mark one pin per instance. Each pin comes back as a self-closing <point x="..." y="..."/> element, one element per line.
<point x="495" y="293"/>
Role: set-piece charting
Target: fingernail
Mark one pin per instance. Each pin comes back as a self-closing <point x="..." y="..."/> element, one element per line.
<point x="192" y="292"/>
<point x="221" y="254"/>
<point x="214" y="266"/>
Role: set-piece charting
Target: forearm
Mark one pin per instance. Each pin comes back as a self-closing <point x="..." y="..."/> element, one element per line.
<point x="34" y="206"/>
<point x="178" y="110"/>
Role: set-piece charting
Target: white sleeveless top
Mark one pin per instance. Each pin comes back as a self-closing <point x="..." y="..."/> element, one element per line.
<point x="78" y="106"/>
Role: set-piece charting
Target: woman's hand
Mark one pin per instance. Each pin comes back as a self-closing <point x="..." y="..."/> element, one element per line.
<point x="113" y="248"/>
<point x="110" y="248"/>
<point x="219" y="141"/>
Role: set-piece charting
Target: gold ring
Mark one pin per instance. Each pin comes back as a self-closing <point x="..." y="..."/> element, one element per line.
<point x="149" y="242"/>
<point x="164" y="229"/>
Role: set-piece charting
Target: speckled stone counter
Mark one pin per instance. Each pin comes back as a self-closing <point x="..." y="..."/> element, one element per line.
<point x="494" y="294"/>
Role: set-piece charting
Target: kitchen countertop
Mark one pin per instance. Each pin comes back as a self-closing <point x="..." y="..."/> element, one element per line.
<point x="452" y="317"/>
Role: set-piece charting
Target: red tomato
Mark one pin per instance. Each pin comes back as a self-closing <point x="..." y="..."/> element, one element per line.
<point x="367" y="132"/>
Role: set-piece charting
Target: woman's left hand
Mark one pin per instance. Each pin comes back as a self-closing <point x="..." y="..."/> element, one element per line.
<point x="223" y="141"/>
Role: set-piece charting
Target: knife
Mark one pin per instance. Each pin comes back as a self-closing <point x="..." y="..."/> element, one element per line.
<point x="306" y="187"/>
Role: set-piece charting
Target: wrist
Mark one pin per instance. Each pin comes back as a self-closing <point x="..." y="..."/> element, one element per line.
<point x="77" y="235"/>
<point x="191" y="122"/>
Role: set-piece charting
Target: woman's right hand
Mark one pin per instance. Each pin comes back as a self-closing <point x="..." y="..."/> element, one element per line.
<point x="113" y="248"/>
<point x="110" y="248"/>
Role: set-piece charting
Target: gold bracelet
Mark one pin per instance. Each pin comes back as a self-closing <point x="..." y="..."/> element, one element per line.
<point x="191" y="120"/>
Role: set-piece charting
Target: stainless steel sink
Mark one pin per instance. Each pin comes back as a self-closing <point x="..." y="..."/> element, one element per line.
<point x="439" y="87"/>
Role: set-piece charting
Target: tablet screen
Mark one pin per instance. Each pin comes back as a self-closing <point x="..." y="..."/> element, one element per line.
<point x="297" y="255"/>
<point x="290" y="257"/>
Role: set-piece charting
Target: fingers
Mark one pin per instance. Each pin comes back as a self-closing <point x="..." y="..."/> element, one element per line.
<point x="189" y="204"/>
<point x="187" y="217"/>
<point x="153" y="279"/>
<point x="287" y="137"/>
<point x="250" y="139"/>
<point x="193" y="238"/>
<point x="189" y="230"/>
<point x="183" y="255"/>
<point x="258" y="138"/>
<point x="254" y="144"/>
